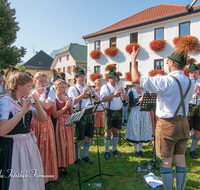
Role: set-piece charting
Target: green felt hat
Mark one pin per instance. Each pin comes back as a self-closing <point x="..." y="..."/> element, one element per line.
<point x="55" y="77"/>
<point x="79" y="71"/>
<point x="178" y="58"/>
<point x="29" y="74"/>
<point x="193" y="67"/>
<point x="112" y="74"/>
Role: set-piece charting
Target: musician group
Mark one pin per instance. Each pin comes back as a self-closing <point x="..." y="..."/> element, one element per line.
<point x="39" y="149"/>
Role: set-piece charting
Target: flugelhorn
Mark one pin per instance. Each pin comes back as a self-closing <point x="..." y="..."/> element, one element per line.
<point x="121" y="94"/>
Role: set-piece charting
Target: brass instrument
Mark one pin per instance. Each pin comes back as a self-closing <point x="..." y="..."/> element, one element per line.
<point x="90" y="93"/>
<point x="121" y="95"/>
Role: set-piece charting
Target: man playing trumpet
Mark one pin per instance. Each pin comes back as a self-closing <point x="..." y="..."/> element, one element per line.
<point x="111" y="93"/>
<point x="85" y="126"/>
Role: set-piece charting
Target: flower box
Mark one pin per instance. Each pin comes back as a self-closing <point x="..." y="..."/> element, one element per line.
<point x="157" y="45"/>
<point x="177" y="39"/>
<point x="95" y="54"/>
<point x="128" y="76"/>
<point x="95" y="76"/>
<point x="111" y="51"/>
<point x="129" y="48"/>
<point x="154" y="72"/>
<point x="106" y="77"/>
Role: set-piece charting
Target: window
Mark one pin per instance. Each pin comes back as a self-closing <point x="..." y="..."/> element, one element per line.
<point x="68" y="69"/>
<point x="158" y="64"/>
<point x="63" y="69"/>
<point x="96" y="69"/>
<point x="113" y="42"/>
<point x="60" y="59"/>
<point x="67" y="57"/>
<point x="40" y="62"/>
<point x="97" y="45"/>
<point x="131" y="64"/>
<point x="58" y="69"/>
<point x="134" y="37"/>
<point x="184" y="28"/>
<point x="159" y="33"/>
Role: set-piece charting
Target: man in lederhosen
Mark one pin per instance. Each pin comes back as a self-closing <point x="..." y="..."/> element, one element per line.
<point x="85" y="126"/>
<point x="113" y="114"/>
<point x="174" y="91"/>
<point x="194" y="107"/>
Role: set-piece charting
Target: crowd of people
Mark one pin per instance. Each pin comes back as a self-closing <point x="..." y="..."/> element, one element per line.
<point x="35" y="139"/>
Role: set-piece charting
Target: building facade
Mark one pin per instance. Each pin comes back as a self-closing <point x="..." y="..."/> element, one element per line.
<point x="70" y="56"/>
<point x="164" y="21"/>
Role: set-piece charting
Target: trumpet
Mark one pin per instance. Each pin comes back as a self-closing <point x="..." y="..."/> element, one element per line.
<point x="90" y="91"/>
<point x="121" y="94"/>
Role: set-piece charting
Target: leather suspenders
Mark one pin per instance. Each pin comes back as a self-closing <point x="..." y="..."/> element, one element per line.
<point x="182" y="103"/>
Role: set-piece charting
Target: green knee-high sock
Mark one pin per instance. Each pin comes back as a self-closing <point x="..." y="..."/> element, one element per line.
<point x="181" y="177"/>
<point x="167" y="178"/>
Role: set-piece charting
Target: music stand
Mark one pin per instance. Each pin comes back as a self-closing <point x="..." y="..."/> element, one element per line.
<point x="98" y="104"/>
<point x="149" y="104"/>
<point x="73" y="119"/>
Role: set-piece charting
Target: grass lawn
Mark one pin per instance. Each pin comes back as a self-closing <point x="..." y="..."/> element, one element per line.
<point x="123" y="169"/>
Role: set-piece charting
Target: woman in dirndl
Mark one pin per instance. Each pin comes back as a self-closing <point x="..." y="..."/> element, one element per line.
<point x="98" y="116"/>
<point x="139" y="126"/>
<point x="64" y="134"/>
<point x="44" y="130"/>
<point x="20" y="160"/>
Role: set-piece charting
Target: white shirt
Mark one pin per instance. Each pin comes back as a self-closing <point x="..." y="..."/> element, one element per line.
<point x="73" y="93"/>
<point x="168" y="94"/>
<point x="193" y="100"/>
<point x="116" y="102"/>
<point x="51" y="96"/>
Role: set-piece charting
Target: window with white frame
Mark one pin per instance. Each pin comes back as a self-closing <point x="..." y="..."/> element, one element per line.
<point x="97" y="45"/>
<point x="184" y="28"/>
<point x="134" y="37"/>
<point x="159" y="33"/>
<point x="96" y="69"/>
<point x="113" y="42"/>
<point x="158" y="64"/>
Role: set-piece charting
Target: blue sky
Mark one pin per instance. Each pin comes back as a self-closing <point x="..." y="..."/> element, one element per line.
<point x="48" y="25"/>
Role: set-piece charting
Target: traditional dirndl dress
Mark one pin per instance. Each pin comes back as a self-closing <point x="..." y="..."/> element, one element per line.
<point x="139" y="126"/>
<point x="64" y="138"/>
<point x="20" y="160"/>
<point x="44" y="133"/>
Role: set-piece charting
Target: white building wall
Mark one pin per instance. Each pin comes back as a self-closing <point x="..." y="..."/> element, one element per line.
<point x="64" y="63"/>
<point x="146" y="55"/>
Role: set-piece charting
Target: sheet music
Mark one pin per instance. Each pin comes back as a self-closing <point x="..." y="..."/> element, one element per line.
<point x="76" y="116"/>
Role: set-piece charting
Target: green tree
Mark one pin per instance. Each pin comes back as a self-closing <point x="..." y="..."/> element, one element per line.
<point x="10" y="55"/>
<point x="21" y="68"/>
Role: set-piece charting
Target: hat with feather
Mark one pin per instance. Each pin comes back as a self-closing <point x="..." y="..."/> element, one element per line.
<point x="187" y="44"/>
<point x="111" y="68"/>
<point x="119" y="74"/>
<point x="55" y="77"/>
<point x="78" y="70"/>
<point x="192" y="65"/>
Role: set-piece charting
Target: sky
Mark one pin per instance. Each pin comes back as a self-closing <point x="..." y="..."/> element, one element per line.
<point x="48" y="25"/>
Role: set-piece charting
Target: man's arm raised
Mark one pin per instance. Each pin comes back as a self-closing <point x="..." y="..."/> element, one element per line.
<point x="134" y="70"/>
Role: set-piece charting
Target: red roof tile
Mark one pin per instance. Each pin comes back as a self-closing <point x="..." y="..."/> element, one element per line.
<point x="151" y="13"/>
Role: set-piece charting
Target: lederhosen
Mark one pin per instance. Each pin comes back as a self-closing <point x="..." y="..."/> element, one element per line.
<point x="113" y="118"/>
<point x="85" y="126"/>
<point x="194" y="116"/>
<point x="172" y="133"/>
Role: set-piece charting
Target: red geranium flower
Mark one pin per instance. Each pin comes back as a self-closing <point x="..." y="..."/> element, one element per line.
<point x="157" y="45"/>
<point x="95" y="54"/>
<point x="111" y="51"/>
<point x="95" y="76"/>
<point x="154" y="72"/>
<point x="129" y="48"/>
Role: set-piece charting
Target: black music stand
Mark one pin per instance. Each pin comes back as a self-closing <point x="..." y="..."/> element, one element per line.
<point x="99" y="174"/>
<point x="149" y="104"/>
<point x="74" y="118"/>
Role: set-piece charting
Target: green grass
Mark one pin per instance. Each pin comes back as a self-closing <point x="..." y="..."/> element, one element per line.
<point x="123" y="169"/>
